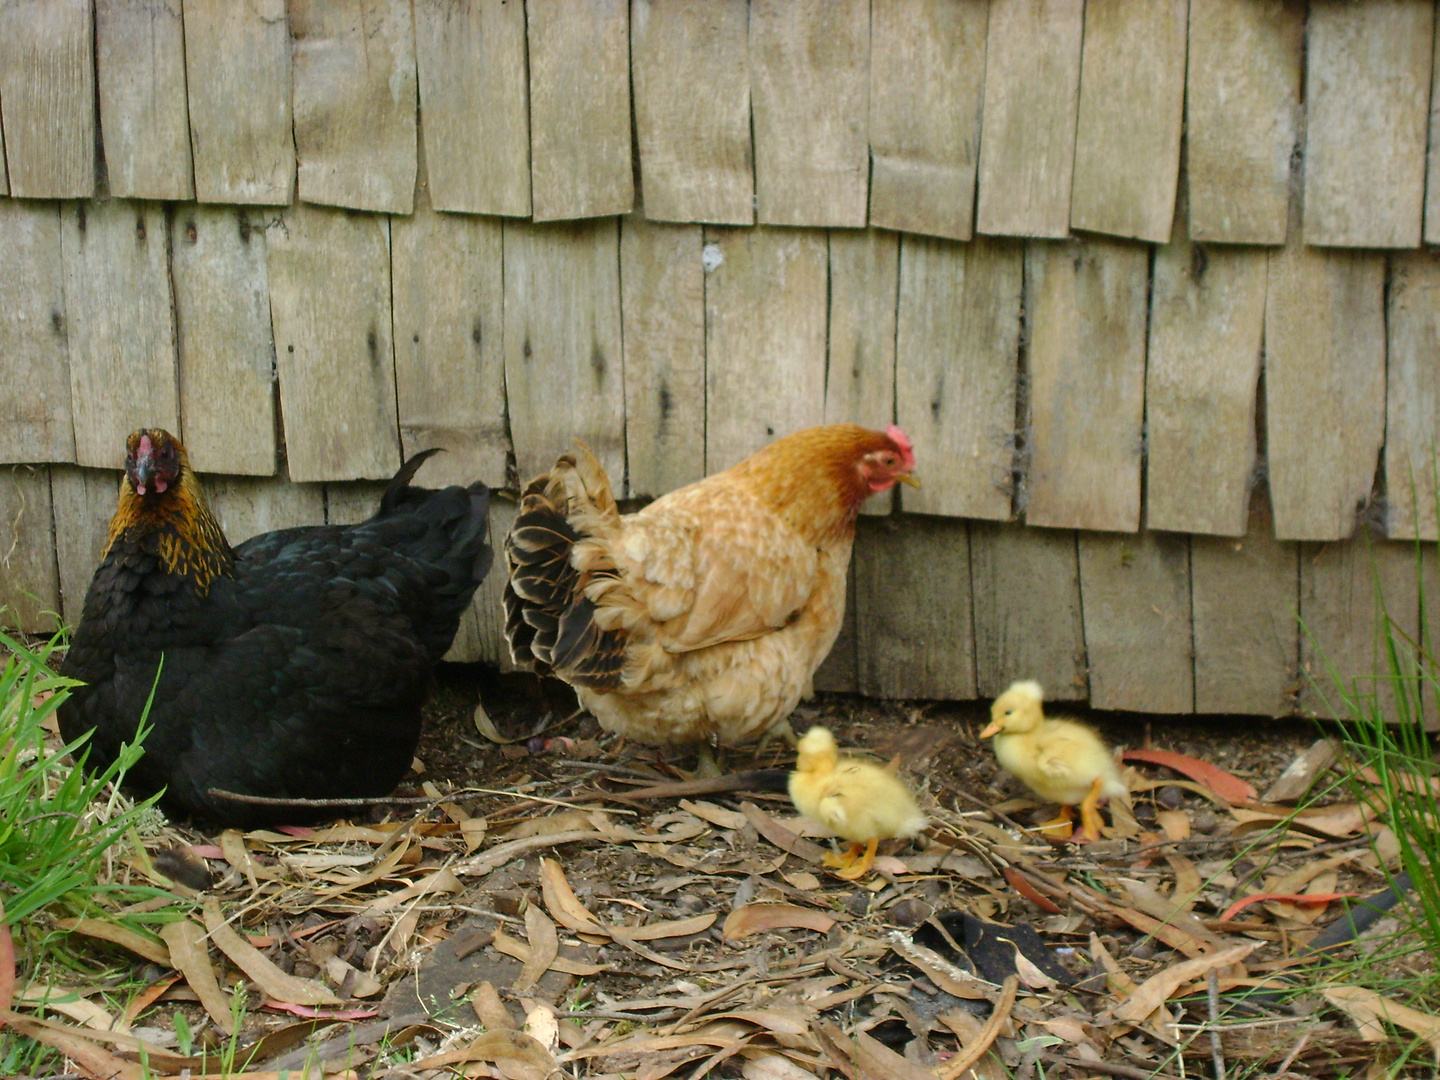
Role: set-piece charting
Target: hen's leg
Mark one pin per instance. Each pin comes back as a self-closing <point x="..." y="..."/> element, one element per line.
<point x="707" y="764"/>
<point x="1090" y="821"/>
<point x="782" y="731"/>
<point x="859" y="868"/>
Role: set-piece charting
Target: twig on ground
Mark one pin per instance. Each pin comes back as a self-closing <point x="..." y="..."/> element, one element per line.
<point x="708" y="999"/>
<point x="1109" y="1068"/>
<point x="314" y="1053"/>
<point x="1006" y="818"/>
<point x="1294" y="1052"/>
<point x="464" y="794"/>
<point x="605" y="767"/>
<point x="271" y="800"/>
<point x="759" y="779"/>
<point x="614" y="1014"/>
<point x="962" y="1062"/>
<point x="1217" y="1050"/>
<point x="961" y="845"/>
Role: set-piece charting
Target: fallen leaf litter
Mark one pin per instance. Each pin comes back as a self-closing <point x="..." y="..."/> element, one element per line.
<point x="552" y="924"/>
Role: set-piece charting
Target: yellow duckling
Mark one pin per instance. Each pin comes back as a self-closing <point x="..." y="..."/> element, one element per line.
<point x="858" y="800"/>
<point x="1060" y="760"/>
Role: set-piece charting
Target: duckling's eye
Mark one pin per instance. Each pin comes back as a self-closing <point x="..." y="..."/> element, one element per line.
<point x="1009" y="712"/>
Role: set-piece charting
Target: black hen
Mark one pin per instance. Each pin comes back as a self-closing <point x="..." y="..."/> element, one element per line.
<point x="292" y="666"/>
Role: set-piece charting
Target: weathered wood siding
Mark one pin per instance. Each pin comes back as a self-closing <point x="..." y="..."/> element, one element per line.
<point x="1143" y="280"/>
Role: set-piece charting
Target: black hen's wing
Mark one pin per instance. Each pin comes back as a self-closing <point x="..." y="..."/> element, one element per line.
<point x="319" y="695"/>
<point x="420" y="557"/>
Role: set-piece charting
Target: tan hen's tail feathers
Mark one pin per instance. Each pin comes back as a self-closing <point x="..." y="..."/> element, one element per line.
<point x="549" y="622"/>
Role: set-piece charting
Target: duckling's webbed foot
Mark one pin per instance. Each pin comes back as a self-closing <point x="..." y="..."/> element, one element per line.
<point x="1060" y="826"/>
<point x="836" y="859"/>
<point x="1091" y="823"/>
<point x="863" y="865"/>
<point x="855" y="861"/>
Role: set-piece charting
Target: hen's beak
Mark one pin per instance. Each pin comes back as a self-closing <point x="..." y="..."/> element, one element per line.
<point x="141" y="472"/>
<point x="911" y="479"/>
<point x="993" y="729"/>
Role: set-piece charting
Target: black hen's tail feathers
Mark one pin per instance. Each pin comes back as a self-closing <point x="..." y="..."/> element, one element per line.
<point x="399" y="485"/>
<point x="446" y="529"/>
<point x="549" y="622"/>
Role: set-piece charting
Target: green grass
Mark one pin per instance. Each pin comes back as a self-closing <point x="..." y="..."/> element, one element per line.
<point x="61" y="833"/>
<point x="1384" y="731"/>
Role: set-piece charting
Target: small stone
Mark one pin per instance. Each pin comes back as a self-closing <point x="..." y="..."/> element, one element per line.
<point x="1143" y="949"/>
<point x="508" y="902"/>
<point x="910" y="912"/>
<point x="1171" y="797"/>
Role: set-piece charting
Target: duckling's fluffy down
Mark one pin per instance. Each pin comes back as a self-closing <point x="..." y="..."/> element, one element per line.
<point x="1062" y="762"/>
<point x="1057" y="759"/>
<point x="857" y="800"/>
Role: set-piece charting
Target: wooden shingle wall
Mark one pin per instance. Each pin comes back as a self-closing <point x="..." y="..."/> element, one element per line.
<point x="1144" y="280"/>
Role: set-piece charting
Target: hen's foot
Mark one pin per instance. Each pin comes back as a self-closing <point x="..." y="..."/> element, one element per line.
<point x="782" y="731"/>
<point x="707" y="763"/>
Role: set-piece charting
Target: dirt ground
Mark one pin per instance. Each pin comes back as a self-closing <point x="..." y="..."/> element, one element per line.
<point x="935" y="739"/>
<point x="528" y="920"/>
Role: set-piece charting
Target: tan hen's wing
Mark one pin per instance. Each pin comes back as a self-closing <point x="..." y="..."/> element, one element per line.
<point x="715" y="566"/>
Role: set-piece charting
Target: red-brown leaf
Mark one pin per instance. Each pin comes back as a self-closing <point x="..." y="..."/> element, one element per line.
<point x="1029" y="892"/>
<point x="1289" y="898"/>
<point x="1227" y="785"/>
<point x="757" y="918"/>
<point x="310" y="1012"/>
<point x="7" y="963"/>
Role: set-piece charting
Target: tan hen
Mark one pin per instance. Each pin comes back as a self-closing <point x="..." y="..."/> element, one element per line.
<point x="702" y="617"/>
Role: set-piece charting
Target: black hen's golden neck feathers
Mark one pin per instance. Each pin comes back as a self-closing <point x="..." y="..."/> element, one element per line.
<point x="176" y="525"/>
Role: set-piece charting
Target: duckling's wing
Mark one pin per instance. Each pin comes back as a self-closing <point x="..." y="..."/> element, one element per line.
<point x="1054" y="764"/>
<point x="833" y="812"/>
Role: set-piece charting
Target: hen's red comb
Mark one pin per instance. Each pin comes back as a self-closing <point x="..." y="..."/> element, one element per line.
<point x="907" y="448"/>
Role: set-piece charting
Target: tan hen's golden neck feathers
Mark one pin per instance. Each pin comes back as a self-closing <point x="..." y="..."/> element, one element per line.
<point x="812" y="478"/>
